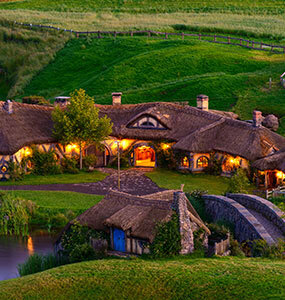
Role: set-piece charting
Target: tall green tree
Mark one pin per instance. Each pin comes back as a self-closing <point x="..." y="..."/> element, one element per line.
<point x="79" y="122"/>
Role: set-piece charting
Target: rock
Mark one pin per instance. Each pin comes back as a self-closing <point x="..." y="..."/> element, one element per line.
<point x="271" y="122"/>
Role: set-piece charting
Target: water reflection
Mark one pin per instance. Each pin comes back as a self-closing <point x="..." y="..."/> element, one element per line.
<point x="15" y="250"/>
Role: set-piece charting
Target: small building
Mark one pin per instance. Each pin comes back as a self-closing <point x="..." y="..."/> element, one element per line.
<point x="131" y="220"/>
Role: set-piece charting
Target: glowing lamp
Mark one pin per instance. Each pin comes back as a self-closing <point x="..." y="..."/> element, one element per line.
<point x="72" y="147"/>
<point x="165" y="146"/>
<point x="280" y="175"/>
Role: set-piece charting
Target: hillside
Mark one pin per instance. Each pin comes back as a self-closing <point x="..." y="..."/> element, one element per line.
<point x="166" y="70"/>
<point x="179" y="278"/>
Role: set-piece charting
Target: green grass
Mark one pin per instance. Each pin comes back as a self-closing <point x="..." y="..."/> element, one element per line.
<point x="177" y="278"/>
<point x="173" y="180"/>
<point x="158" y="70"/>
<point x="59" y="201"/>
<point x="81" y="177"/>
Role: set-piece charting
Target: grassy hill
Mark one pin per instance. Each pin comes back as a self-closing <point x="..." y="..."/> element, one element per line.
<point x="179" y="278"/>
<point x="166" y="70"/>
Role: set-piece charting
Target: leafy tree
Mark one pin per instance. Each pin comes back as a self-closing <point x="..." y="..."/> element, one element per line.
<point x="80" y="123"/>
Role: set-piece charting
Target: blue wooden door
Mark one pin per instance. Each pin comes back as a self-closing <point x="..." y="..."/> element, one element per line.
<point x="119" y="240"/>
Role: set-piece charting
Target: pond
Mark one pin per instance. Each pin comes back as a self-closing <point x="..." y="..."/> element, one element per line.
<point x="15" y="250"/>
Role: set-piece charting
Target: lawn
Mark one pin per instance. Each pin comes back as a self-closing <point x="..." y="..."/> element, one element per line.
<point x="177" y="278"/>
<point x="81" y="177"/>
<point x="59" y="201"/>
<point x="173" y="180"/>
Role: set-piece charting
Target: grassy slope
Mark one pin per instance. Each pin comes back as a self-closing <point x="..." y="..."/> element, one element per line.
<point x="159" y="70"/>
<point x="59" y="201"/>
<point x="179" y="278"/>
<point x="82" y="177"/>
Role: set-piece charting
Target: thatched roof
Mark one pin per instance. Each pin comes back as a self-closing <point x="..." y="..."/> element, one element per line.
<point x="233" y="137"/>
<point x="272" y="162"/>
<point x="27" y="124"/>
<point x="125" y="211"/>
<point x="193" y="129"/>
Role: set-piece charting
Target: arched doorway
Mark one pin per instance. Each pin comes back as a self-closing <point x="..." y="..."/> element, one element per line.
<point x="102" y="155"/>
<point x="144" y="156"/>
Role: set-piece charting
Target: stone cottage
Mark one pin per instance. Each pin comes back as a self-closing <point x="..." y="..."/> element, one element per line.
<point x="131" y="220"/>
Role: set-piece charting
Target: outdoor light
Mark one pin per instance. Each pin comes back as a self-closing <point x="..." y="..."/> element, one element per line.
<point x="165" y="146"/>
<point x="118" y="153"/>
<point x="280" y="175"/>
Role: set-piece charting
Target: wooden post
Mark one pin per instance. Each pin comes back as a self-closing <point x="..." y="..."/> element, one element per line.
<point x="149" y="33"/>
<point x="200" y="36"/>
<point x="261" y="45"/>
<point x="115" y="34"/>
<point x="166" y="35"/>
<point x="240" y="42"/>
<point x="77" y="34"/>
<point x="132" y="34"/>
<point x="229" y="40"/>
<point x="182" y="35"/>
<point x="118" y="149"/>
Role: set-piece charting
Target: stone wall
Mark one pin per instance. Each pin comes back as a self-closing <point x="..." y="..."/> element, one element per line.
<point x="264" y="207"/>
<point x="187" y="238"/>
<point x="247" y="227"/>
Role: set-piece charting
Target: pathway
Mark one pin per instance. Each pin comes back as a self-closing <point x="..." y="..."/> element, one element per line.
<point x="133" y="181"/>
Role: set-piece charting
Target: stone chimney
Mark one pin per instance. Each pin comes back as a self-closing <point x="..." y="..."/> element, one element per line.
<point x="257" y="118"/>
<point x="117" y="98"/>
<point x="203" y="102"/>
<point x="8" y="106"/>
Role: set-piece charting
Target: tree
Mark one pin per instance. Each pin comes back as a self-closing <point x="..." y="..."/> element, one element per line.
<point x="79" y="122"/>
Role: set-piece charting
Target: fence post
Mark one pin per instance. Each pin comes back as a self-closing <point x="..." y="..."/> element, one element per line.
<point x="115" y="34"/>
<point x="149" y="33"/>
<point x="77" y="34"/>
<point x="240" y="42"/>
<point x="132" y="34"/>
<point x="200" y="36"/>
<point x="182" y="35"/>
<point x="166" y="35"/>
<point x="229" y="40"/>
<point x="261" y="45"/>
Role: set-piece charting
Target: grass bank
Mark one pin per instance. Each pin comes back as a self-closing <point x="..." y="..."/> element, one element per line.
<point x="177" y="278"/>
<point x="81" y="177"/>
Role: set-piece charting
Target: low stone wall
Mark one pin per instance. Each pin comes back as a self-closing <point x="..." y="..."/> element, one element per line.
<point x="270" y="211"/>
<point x="247" y="227"/>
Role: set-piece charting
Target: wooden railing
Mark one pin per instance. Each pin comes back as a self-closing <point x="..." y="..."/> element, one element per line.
<point x="220" y="39"/>
<point x="279" y="191"/>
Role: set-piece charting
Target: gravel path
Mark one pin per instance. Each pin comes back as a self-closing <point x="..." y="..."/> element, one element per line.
<point x="133" y="181"/>
<point x="271" y="228"/>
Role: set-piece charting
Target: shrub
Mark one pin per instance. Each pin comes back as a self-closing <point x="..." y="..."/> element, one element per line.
<point x="259" y="248"/>
<point x="167" y="240"/>
<point x="82" y="252"/>
<point x="69" y="165"/>
<point x="35" y="100"/>
<point x="16" y="172"/>
<point x="38" y="263"/>
<point x="235" y="248"/>
<point x="239" y="182"/>
<point x="44" y="163"/>
<point x="218" y="233"/>
<point x="89" y="161"/>
<point x="215" y="165"/>
<point x="165" y="157"/>
<point x="15" y="214"/>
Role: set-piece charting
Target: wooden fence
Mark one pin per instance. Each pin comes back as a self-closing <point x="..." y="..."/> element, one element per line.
<point x="219" y="39"/>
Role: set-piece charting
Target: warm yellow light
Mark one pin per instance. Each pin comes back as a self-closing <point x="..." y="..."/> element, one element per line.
<point x="234" y="161"/>
<point x="26" y="152"/>
<point x="165" y="146"/>
<point x="125" y="144"/>
<point x="280" y="175"/>
<point x="72" y="147"/>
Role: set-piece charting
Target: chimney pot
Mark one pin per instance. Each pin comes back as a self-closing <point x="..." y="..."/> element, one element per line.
<point x="257" y="118"/>
<point x="203" y="102"/>
<point x="117" y="98"/>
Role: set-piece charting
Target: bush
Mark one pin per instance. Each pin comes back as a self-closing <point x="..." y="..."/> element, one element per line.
<point x="38" y="263"/>
<point x="259" y="248"/>
<point x="81" y="253"/>
<point x="167" y="240"/>
<point x="89" y="161"/>
<point x="215" y="165"/>
<point x="15" y="214"/>
<point x="239" y="182"/>
<point x="44" y="163"/>
<point x="218" y="233"/>
<point x="16" y="172"/>
<point x="70" y="165"/>
<point x="235" y="248"/>
<point x="39" y="100"/>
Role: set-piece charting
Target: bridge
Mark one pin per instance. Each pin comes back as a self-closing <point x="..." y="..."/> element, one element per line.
<point x="253" y="217"/>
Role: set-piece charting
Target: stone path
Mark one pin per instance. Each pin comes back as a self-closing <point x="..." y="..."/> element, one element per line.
<point x="270" y="227"/>
<point x="133" y="181"/>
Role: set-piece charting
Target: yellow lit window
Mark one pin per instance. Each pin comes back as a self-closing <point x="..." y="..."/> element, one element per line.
<point x="185" y="162"/>
<point x="202" y="162"/>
